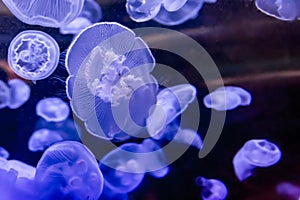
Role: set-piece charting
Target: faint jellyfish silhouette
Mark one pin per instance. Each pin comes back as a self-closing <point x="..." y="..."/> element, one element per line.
<point x="71" y="170"/>
<point x="4" y="95"/>
<point x="19" y="93"/>
<point x="49" y="13"/>
<point x="33" y="55"/>
<point x="288" y="190"/>
<point x="3" y="153"/>
<point x="173" y="5"/>
<point x="186" y="135"/>
<point x="211" y="189"/>
<point x="255" y="153"/>
<point x="43" y="138"/>
<point x="109" y="194"/>
<point x="285" y="10"/>
<point x="105" y="74"/>
<point x="141" y="11"/>
<point x="52" y="109"/>
<point x="245" y="96"/>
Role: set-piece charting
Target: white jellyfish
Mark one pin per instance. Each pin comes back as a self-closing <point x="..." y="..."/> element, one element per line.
<point x="211" y="189"/>
<point x="43" y="138"/>
<point x="19" y="93"/>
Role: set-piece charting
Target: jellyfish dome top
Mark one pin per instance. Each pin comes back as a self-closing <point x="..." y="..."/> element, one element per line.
<point x="19" y="93"/>
<point x="33" y="55"/>
<point x="71" y="170"/>
<point x="212" y="189"/>
<point x="109" y="83"/>
<point x="45" y="13"/>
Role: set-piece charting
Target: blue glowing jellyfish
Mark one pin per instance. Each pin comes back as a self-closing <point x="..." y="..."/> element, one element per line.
<point x="4" y="95"/>
<point x="52" y="109"/>
<point x="285" y="10"/>
<point x="211" y="189"/>
<point x="71" y="170"/>
<point x="227" y="98"/>
<point x="3" y="153"/>
<point x="255" y="153"/>
<point x="22" y="169"/>
<point x="33" y="55"/>
<point x="19" y="93"/>
<point x="109" y="81"/>
<point x="43" y="138"/>
<point x="45" y="13"/>
<point x="141" y="11"/>
<point x="288" y="190"/>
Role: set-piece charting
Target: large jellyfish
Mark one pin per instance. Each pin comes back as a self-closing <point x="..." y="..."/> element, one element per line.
<point x="45" y="13"/>
<point x="19" y="93"/>
<point x="110" y="85"/>
<point x="70" y="171"/>
<point x="211" y="189"/>
<point x="166" y="12"/>
<point x="286" y="10"/>
<point x="33" y="55"/>
<point x="43" y="138"/>
<point x="4" y="95"/>
<point x="52" y="109"/>
<point x="255" y="153"/>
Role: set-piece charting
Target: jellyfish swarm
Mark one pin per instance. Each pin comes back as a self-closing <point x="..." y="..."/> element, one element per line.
<point x="227" y="98"/>
<point x="33" y="55"/>
<point x="19" y="93"/>
<point x="286" y="10"/>
<point x="68" y="170"/>
<point x="255" y="153"/>
<point x="109" y="83"/>
<point x="52" y="109"/>
<point x="166" y="12"/>
<point x="211" y="189"/>
<point x="45" y="13"/>
<point x="4" y="95"/>
<point x="43" y="138"/>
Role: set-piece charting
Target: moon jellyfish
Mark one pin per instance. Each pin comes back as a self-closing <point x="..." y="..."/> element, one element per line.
<point x="3" y="153"/>
<point x="19" y="93"/>
<point x="45" y="13"/>
<point x="285" y="10"/>
<point x="52" y="109"/>
<point x="109" y="81"/>
<point x="255" y="153"/>
<point x="141" y="11"/>
<point x="4" y="95"/>
<point x="211" y="189"/>
<point x="33" y="55"/>
<point x="43" y="138"/>
<point x="70" y="170"/>
<point x="23" y="170"/>
<point x="171" y="102"/>
<point x="227" y="98"/>
<point x="288" y="190"/>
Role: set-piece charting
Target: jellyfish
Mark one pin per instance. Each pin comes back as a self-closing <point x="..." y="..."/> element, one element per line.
<point x="45" y="13"/>
<point x="43" y="138"/>
<point x="3" y="153"/>
<point x="52" y="109"/>
<point x="255" y="153"/>
<point x="33" y="55"/>
<point x="109" y="84"/>
<point x="288" y="190"/>
<point x="286" y="10"/>
<point x="141" y="11"/>
<point x="19" y="93"/>
<point x="4" y="95"/>
<point x="211" y="189"/>
<point x="69" y="170"/>
<point x="227" y="98"/>
<point x="75" y="26"/>
<point x="22" y="169"/>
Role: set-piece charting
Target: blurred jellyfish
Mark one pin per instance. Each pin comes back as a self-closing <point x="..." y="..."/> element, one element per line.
<point x="171" y="102"/>
<point x="45" y="13"/>
<point x="3" y="153"/>
<point x="110" y="85"/>
<point x="212" y="189"/>
<point x="43" y="138"/>
<point x="285" y="10"/>
<point x="52" y="109"/>
<point x="255" y="153"/>
<point x="71" y="170"/>
<point x="227" y="98"/>
<point x="33" y="55"/>
<point x="22" y="169"/>
<point x="4" y="95"/>
<point x="109" y="194"/>
<point x="19" y="93"/>
<point x="288" y="190"/>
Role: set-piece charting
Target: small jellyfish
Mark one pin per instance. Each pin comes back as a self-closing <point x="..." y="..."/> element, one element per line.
<point x="45" y="13"/>
<point x="3" y="153"/>
<point x="141" y="11"/>
<point x="211" y="189"/>
<point x="227" y="98"/>
<point x="286" y="10"/>
<point x="255" y="153"/>
<point x="43" y="138"/>
<point x="4" y="95"/>
<point x="52" y="109"/>
<point x="70" y="170"/>
<point x="190" y="137"/>
<point x="19" y="93"/>
<point x="33" y="55"/>
<point x="22" y="169"/>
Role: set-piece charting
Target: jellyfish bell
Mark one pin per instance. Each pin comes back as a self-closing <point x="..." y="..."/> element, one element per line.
<point x="171" y="5"/>
<point x="43" y="138"/>
<point x="19" y="93"/>
<point x="143" y="10"/>
<point x="33" y="55"/>
<point x="212" y="189"/>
